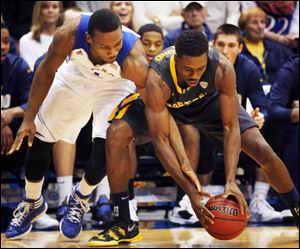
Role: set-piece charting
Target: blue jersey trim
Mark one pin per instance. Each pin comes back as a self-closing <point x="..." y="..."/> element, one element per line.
<point x="129" y="40"/>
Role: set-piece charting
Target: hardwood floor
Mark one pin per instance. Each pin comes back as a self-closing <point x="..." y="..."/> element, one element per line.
<point x="252" y="237"/>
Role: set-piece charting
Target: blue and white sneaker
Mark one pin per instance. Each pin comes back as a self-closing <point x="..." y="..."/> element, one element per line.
<point x="62" y="210"/>
<point x="71" y="223"/>
<point x="102" y="212"/>
<point x="25" y="214"/>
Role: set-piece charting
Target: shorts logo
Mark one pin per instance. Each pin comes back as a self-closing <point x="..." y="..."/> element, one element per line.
<point x="204" y="84"/>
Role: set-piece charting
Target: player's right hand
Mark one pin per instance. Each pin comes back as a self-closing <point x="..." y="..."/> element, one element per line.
<point x="26" y="129"/>
<point x="203" y="214"/>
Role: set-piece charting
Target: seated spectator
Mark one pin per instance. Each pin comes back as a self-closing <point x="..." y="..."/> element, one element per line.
<point x="165" y="14"/>
<point x="282" y="19"/>
<point x="268" y="55"/>
<point x="45" y="20"/>
<point x="194" y="18"/>
<point x="152" y="40"/>
<point x="283" y="104"/>
<point x="16" y="79"/>
<point x="124" y="10"/>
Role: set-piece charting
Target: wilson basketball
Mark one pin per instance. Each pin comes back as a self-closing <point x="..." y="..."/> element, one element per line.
<point x="229" y="221"/>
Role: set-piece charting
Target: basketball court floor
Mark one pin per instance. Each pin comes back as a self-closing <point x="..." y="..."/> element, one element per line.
<point x="169" y="237"/>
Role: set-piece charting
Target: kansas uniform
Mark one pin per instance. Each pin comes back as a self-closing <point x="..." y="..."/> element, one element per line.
<point x="197" y="105"/>
<point x="81" y="88"/>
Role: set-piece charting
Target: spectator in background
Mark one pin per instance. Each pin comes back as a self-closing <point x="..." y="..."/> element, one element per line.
<point x="283" y="105"/>
<point x="152" y="38"/>
<point x="45" y="20"/>
<point x="124" y="11"/>
<point x="166" y="14"/>
<point x="282" y="19"/>
<point x="220" y="12"/>
<point x="268" y="55"/>
<point x="16" y="77"/>
<point x="194" y="18"/>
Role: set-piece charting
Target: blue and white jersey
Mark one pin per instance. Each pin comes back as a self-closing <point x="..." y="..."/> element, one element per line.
<point x="79" y="57"/>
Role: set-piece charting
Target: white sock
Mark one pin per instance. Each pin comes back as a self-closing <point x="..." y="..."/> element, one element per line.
<point x="65" y="184"/>
<point x="84" y="188"/>
<point x="261" y="190"/>
<point x="33" y="189"/>
<point x="103" y="189"/>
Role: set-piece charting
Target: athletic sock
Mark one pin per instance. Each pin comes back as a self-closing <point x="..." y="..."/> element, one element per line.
<point x="261" y="190"/>
<point x="65" y="184"/>
<point x="33" y="189"/>
<point x="84" y="188"/>
<point x="121" y="206"/>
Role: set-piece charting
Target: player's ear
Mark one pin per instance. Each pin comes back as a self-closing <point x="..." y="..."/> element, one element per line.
<point x="88" y="38"/>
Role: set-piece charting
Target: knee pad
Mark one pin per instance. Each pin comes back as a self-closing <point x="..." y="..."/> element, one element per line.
<point x="96" y="169"/>
<point x="37" y="161"/>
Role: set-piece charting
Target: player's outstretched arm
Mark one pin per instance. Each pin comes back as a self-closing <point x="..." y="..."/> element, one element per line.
<point x="60" y="47"/>
<point x="160" y="125"/>
<point x="229" y="106"/>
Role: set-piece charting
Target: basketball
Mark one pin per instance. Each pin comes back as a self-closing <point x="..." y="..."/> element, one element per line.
<point x="229" y="221"/>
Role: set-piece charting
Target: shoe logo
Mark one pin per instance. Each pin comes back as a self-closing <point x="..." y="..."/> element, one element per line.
<point x="130" y="228"/>
<point x="124" y="198"/>
<point x="297" y="210"/>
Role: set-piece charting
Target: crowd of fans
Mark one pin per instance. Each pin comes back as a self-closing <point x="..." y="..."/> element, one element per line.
<point x="260" y="38"/>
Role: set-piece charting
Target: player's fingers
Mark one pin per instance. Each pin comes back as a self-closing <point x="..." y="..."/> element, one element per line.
<point x="30" y="139"/>
<point x="206" y="194"/>
<point x="17" y="143"/>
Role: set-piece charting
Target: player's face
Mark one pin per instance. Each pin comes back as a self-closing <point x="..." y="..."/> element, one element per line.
<point x="229" y="46"/>
<point x="4" y="44"/>
<point x="104" y="47"/>
<point x="50" y="11"/>
<point x="190" y="68"/>
<point x="255" y="28"/>
<point x="124" y="11"/>
<point x="152" y="43"/>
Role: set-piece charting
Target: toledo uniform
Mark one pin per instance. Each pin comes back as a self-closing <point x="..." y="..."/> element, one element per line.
<point x="197" y="105"/>
<point x="80" y="89"/>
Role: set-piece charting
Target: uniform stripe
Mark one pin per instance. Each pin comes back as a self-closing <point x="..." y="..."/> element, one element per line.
<point x="174" y="75"/>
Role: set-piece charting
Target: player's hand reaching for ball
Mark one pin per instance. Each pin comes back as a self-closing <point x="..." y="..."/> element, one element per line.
<point x="203" y="214"/>
<point x="26" y="129"/>
<point x="233" y="189"/>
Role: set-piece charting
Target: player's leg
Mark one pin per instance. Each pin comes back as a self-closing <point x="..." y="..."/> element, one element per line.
<point x="33" y="205"/>
<point x="71" y="223"/>
<point x="275" y="171"/>
<point x="63" y="159"/>
<point x="128" y="120"/>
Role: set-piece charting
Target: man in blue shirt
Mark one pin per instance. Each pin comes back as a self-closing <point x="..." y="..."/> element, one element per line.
<point x="16" y="79"/>
<point x="283" y="105"/>
<point x="193" y="19"/>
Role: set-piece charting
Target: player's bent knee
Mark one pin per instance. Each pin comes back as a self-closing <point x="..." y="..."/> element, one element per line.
<point x="119" y="131"/>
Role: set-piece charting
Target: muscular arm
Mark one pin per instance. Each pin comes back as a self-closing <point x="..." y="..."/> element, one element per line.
<point x="168" y="148"/>
<point x="60" y="47"/>
<point x="135" y="67"/>
<point x="229" y="106"/>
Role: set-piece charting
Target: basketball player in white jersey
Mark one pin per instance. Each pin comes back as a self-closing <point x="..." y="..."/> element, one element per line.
<point x="92" y="64"/>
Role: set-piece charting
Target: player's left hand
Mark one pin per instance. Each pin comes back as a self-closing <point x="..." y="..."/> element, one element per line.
<point x="233" y="189"/>
<point x="6" y="117"/>
<point x="187" y="169"/>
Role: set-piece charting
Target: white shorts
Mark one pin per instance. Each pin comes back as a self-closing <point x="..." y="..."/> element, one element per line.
<point x="68" y="107"/>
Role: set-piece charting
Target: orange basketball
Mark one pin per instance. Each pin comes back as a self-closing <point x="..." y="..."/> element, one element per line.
<point x="229" y="221"/>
